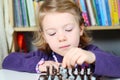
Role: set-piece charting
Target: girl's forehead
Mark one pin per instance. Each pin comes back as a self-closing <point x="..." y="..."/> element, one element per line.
<point x="58" y="19"/>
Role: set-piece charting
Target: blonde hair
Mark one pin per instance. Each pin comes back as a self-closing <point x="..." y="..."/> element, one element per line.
<point x="60" y="6"/>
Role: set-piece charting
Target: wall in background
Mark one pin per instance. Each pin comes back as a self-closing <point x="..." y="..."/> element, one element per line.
<point x="108" y="40"/>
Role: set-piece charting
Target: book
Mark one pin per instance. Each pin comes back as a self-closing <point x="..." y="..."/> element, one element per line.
<point x="18" y="14"/>
<point x="103" y="13"/>
<point x="84" y="12"/>
<point x="118" y="1"/>
<point x="108" y="12"/>
<point x="90" y="11"/>
<point x="98" y="12"/>
<point x="24" y="13"/>
<point x="95" y="12"/>
<point x="21" y="42"/>
<point x="114" y="12"/>
<point x="31" y="13"/>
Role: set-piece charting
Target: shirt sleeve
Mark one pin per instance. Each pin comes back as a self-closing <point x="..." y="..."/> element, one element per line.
<point x="106" y="64"/>
<point x="25" y="62"/>
<point x="39" y="64"/>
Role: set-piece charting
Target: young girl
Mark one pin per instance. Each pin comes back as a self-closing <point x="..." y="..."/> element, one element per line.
<point x="62" y="39"/>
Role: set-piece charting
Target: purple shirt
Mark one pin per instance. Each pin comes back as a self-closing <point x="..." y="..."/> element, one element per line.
<point x="106" y="64"/>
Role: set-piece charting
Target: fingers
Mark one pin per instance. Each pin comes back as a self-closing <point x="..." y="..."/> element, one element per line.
<point x="66" y="59"/>
<point x="81" y="60"/>
<point x="73" y="57"/>
<point x="50" y="65"/>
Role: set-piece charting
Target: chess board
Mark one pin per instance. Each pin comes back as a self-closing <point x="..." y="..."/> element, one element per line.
<point x="83" y="73"/>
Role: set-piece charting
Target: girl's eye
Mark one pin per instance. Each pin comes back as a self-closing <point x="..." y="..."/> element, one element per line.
<point x="52" y="34"/>
<point x="68" y="30"/>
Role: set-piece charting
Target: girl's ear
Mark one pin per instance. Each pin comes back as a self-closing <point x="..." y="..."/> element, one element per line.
<point x="81" y="30"/>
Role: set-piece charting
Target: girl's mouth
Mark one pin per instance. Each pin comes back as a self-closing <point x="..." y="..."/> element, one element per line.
<point x="64" y="47"/>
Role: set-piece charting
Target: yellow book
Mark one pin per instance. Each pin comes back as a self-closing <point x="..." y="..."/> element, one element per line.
<point x="114" y="12"/>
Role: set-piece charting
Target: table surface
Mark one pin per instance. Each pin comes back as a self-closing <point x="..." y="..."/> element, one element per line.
<point x="15" y="75"/>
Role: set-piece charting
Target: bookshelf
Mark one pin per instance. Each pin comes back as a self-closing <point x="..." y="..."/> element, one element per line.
<point x="33" y="29"/>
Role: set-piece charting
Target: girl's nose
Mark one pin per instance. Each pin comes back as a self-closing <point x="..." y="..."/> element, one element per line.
<point x="62" y="38"/>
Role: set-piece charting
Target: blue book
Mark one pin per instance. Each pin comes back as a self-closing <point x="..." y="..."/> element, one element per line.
<point x="103" y="12"/>
<point x="95" y="12"/>
<point x="108" y="12"/>
<point x="15" y="13"/>
<point x="18" y="13"/>
<point x="24" y="13"/>
<point x="98" y="12"/>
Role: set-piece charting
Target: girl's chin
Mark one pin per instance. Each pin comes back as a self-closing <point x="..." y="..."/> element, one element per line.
<point x="62" y="53"/>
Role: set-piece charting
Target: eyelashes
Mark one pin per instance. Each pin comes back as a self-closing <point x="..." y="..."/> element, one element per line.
<point x="66" y="29"/>
<point x="52" y="34"/>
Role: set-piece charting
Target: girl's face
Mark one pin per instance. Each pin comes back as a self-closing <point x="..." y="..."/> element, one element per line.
<point x="61" y="31"/>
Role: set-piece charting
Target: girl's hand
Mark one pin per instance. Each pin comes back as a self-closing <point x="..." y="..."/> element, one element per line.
<point x="77" y="56"/>
<point x="50" y="64"/>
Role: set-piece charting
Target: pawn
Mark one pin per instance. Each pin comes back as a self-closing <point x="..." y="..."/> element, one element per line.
<point x="71" y="77"/>
<point x="76" y="73"/>
<point x="82" y="73"/>
<point x="88" y="73"/>
<point x="49" y="77"/>
<point x="42" y="77"/>
<point x="56" y="77"/>
<point x="78" y="77"/>
<point x="63" y="73"/>
<point x="55" y="73"/>
<point x="48" y="73"/>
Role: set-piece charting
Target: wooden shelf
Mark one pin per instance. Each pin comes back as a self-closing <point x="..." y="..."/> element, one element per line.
<point x="31" y="29"/>
<point x="25" y="29"/>
<point x="103" y="28"/>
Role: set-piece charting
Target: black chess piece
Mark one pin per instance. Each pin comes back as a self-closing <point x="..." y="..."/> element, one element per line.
<point x="48" y="73"/>
<point x="59" y="73"/>
<point x="82" y="73"/>
<point x="88" y="73"/>
<point x="55" y="73"/>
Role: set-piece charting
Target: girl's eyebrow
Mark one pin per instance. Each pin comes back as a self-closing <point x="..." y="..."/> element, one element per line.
<point x="52" y="28"/>
<point x="49" y="29"/>
<point x="68" y="24"/>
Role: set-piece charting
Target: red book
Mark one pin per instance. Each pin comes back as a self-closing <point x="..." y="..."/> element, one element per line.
<point x="21" y="42"/>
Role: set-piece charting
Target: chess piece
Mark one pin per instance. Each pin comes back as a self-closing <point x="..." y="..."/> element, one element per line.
<point x="82" y="74"/>
<point x="71" y="77"/>
<point x="77" y="74"/>
<point x="42" y="77"/>
<point x="88" y="73"/>
<point x="63" y="72"/>
<point x="54" y="70"/>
